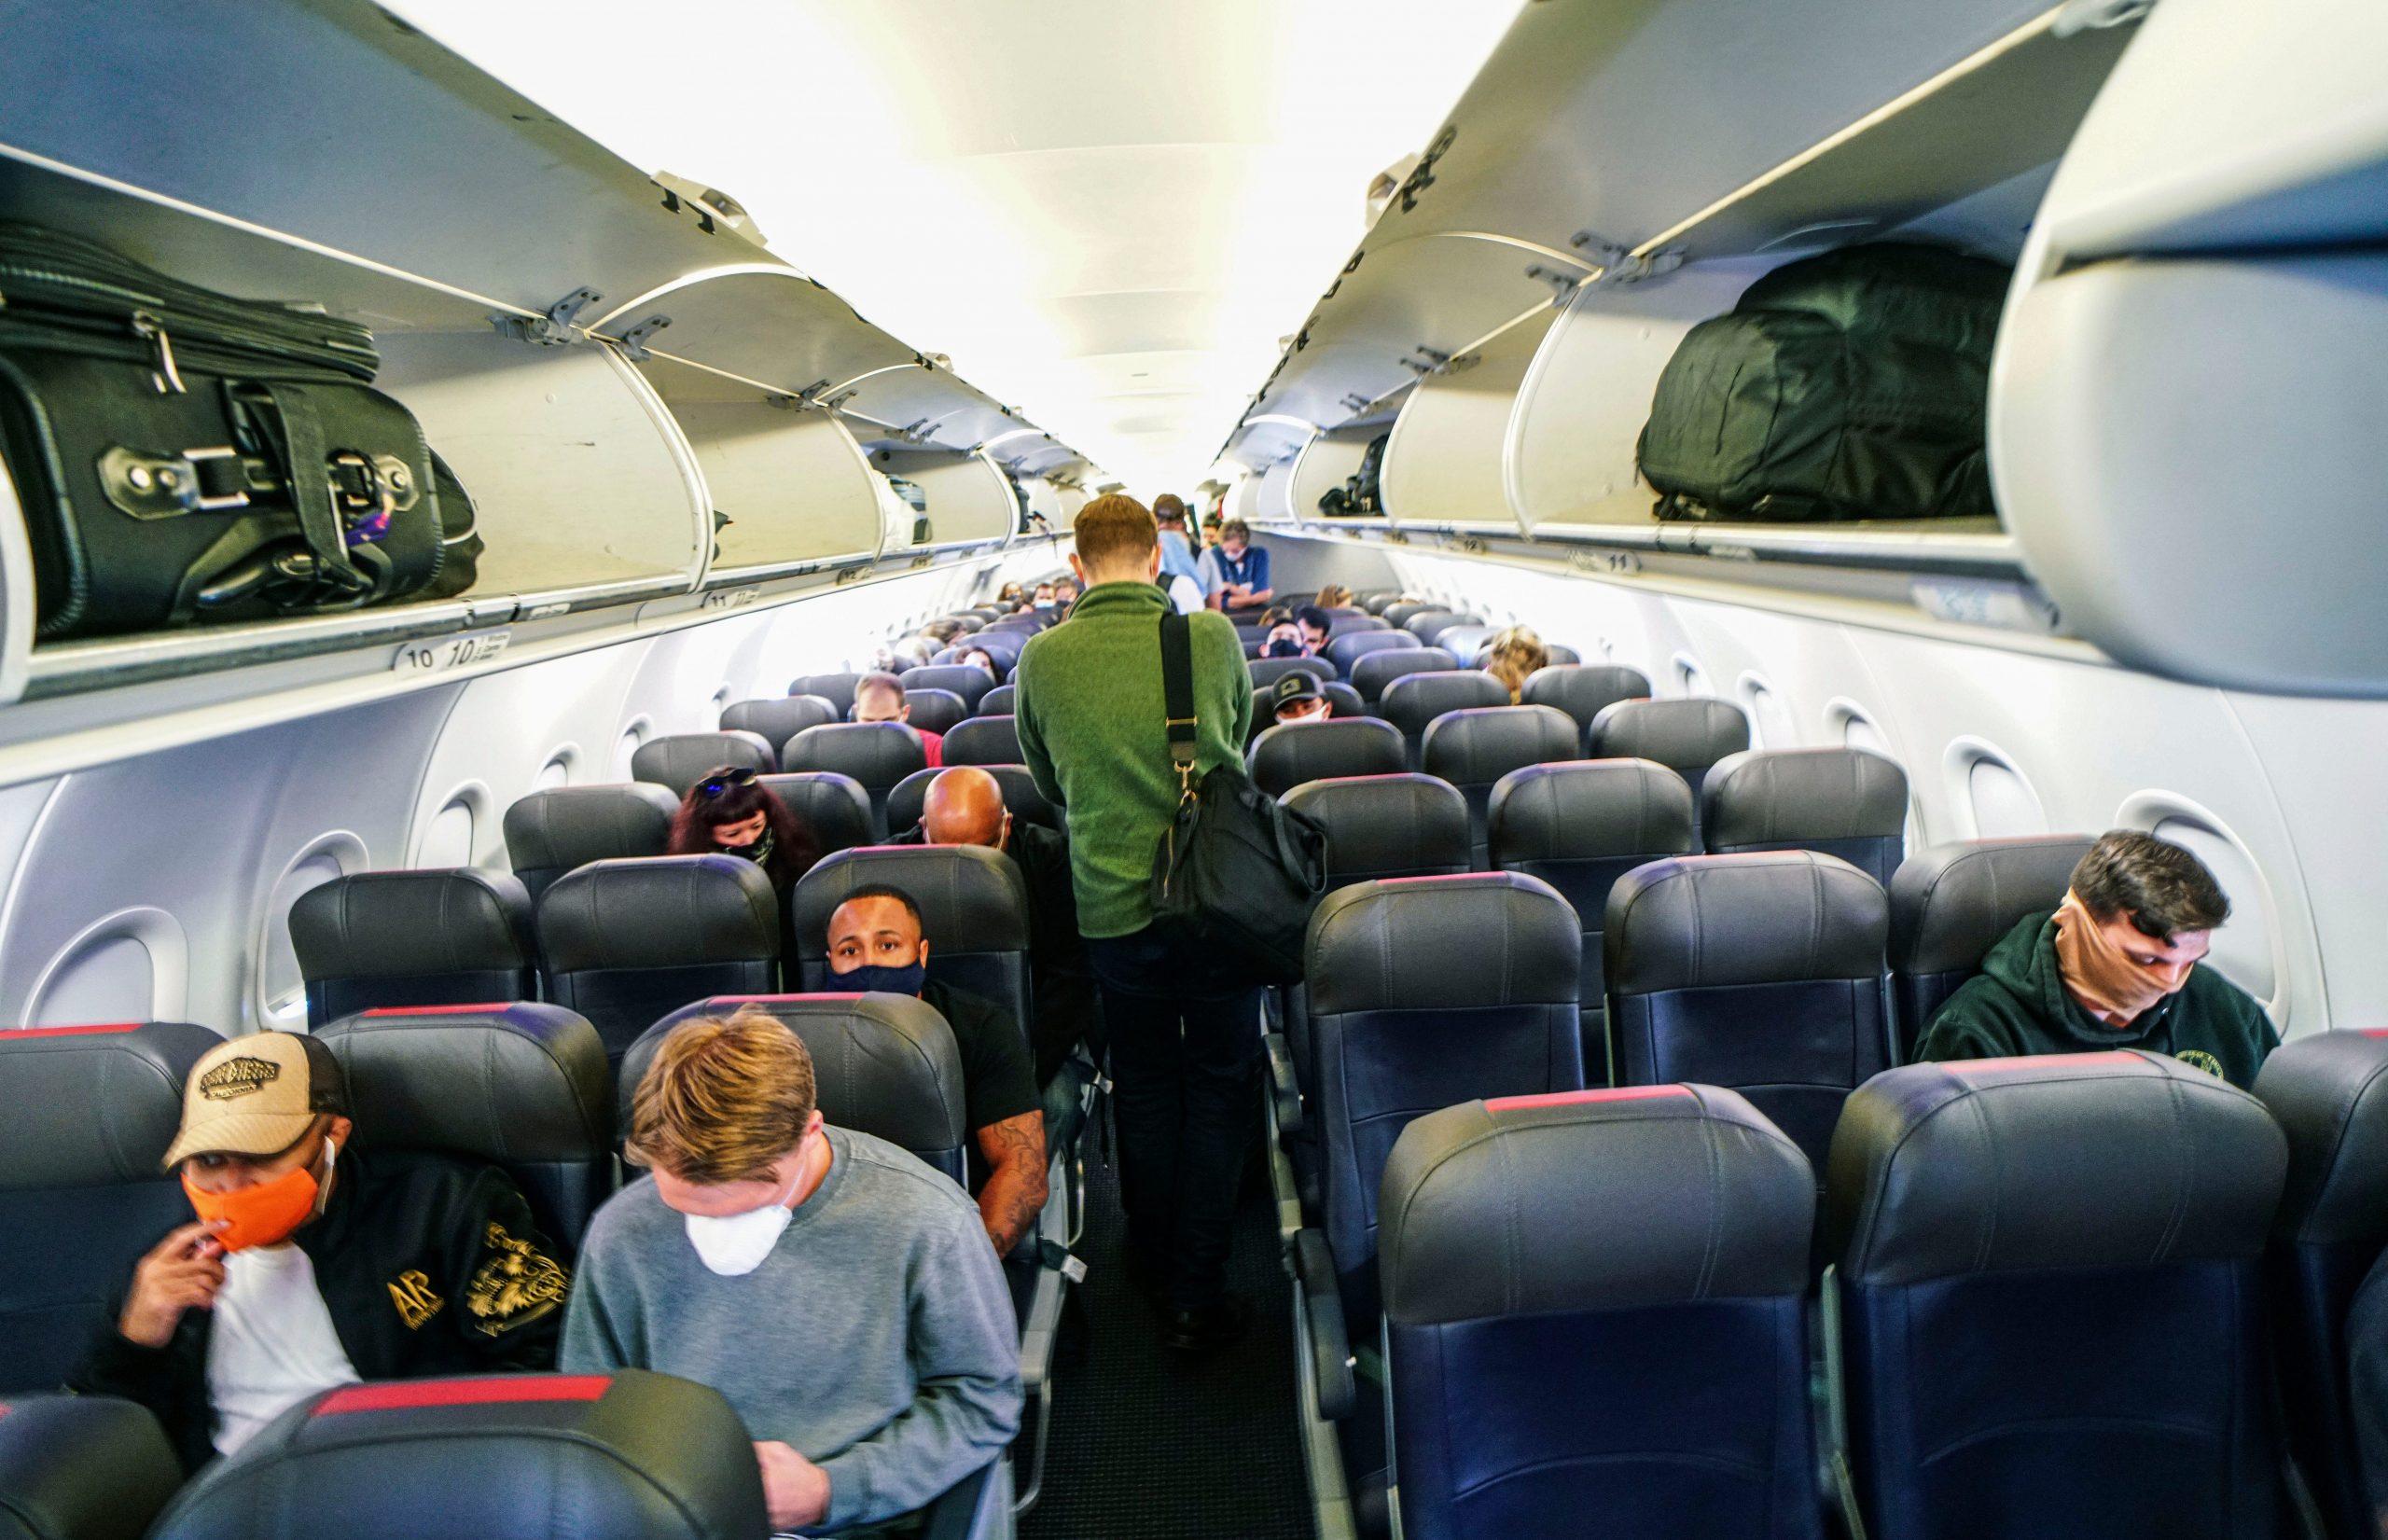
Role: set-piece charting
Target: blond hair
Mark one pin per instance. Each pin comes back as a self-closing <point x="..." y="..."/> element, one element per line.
<point x="725" y="1098"/>
<point x="1334" y="596"/>
<point x="1115" y="529"/>
<point x="1513" y="656"/>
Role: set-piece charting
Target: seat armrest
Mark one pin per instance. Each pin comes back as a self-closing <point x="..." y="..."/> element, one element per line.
<point x="1323" y="1326"/>
<point x="964" y="1512"/>
<point x="1281" y="1085"/>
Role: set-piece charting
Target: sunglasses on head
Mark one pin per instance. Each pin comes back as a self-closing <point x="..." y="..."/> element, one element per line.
<point x="719" y="781"/>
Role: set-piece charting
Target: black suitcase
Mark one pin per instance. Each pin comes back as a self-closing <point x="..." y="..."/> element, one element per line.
<point x="1850" y="386"/>
<point x="1356" y="498"/>
<point x="156" y="432"/>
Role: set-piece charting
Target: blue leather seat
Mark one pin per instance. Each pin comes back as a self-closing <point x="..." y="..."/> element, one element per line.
<point x="1021" y="798"/>
<point x="1951" y="904"/>
<point x="1265" y="672"/>
<point x="1413" y="700"/>
<point x="1844" y="802"/>
<point x="1345" y="650"/>
<point x="967" y="680"/>
<point x="677" y="760"/>
<point x="1579" y="826"/>
<point x="551" y="832"/>
<point x="1583" y="690"/>
<point x="82" y="1467"/>
<point x="984" y="741"/>
<point x="998" y="702"/>
<point x="1687" y="735"/>
<point x="1595" y="1326"/>
<point x="883" y="1064"/>
<point x="833" y="807"/>
<point x="86" y="1114"/>
<point x="429" y="938"/>
<point x="877" y="755"/>
<point x="625" y="942"/>
<point x="1760" y="973"/>
<point x="974" y="912"/>
<point x="521" y="1085"/>
<point x="2329" y="1093"/>
<point x="835" y="688"/>
<point x="776" y="721"/>
<point x="1474" y="748"/>
<point x="2049" y="1276"/>
<point x="936" y="711"/>
<point x="1372" y="673"/>
<point x="1290" y="753"/>
<point x="1429" y="624"/>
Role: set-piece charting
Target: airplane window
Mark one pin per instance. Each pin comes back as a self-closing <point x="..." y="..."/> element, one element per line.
<point x="1692" y="677"/>
<point x="2244" y="947"/>
<point x="449" y="841"/>
<point x="107" y="979"/>
<point x="2004" y="805"/>
<point x="557" y="771"/>
<point x="633" y="736"/>
<point x="281" y="999"/>
<point x="1769" y="722"/>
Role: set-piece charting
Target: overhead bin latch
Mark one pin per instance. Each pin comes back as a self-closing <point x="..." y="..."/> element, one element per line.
<point x="1563" y="283"/>
<point x="2079" y="15"/>
<point x="555" y="328"/>
<point x="1427" y="360"/>
<point x="1615" y="264"/>
<point x="807" y="399"/>
<point x="635" y="341"/>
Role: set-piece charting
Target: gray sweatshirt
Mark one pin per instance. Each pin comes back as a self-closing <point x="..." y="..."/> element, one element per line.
<point x="876" y="1340"/>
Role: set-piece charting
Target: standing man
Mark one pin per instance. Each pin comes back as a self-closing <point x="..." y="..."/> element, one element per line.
<point x="1181" y="573"/>
<point x="1184" y="1032"/>
<point x="1238" y="570"/>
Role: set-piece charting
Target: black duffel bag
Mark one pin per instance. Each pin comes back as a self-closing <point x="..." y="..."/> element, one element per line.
<point x="182" y="456"/>
<point x="1234" y="867"/>
<point x="1850" y="386"/>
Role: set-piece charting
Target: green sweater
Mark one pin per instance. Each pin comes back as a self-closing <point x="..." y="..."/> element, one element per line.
<point x="1092" y="729"/>
<point x="2018" y="1006"/>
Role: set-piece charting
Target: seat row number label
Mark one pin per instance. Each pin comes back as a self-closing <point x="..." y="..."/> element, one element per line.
<point x="449" y="652"/>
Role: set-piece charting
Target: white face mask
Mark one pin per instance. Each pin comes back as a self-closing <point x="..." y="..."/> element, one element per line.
<point x="735" y="1244"/>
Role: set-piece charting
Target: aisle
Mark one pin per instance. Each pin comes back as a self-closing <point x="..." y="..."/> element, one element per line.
<point x="1147" y="1446"/>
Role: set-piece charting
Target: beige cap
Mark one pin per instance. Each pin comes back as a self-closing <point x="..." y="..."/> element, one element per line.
<point x="255" y="1095"/>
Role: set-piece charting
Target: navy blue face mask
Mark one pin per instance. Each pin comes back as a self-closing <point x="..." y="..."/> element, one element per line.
<point x="871" y="978"/>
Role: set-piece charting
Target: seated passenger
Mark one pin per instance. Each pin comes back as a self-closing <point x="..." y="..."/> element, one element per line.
<point x="310" y="1266"/>
<point x="731" y="813"/>
<point x="1286" y="640"/>
<point x="876" y="947"/>
<point x="1334" y="596"/>
<point x="1012" y="597"/>
<point x="1314" y="623"/>
<point x="1042" y="598"/>
<point x="1065" y="593"/>
<point x="1299" y="696"/>
<point x="879" y="698"/>
<point x="1236" y="572"/>
<point x="831" y="1286"/>
<point x="965" y="806"/>
<point x="1513" y="656"/>
<point x="979" y="657"/>
<point x="2114" y="966"/>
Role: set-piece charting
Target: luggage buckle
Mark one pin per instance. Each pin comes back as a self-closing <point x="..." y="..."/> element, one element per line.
<point x="204" y="480"/>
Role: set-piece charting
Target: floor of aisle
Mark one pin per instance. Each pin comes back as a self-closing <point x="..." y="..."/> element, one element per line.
<point x="1147" y="1445"/>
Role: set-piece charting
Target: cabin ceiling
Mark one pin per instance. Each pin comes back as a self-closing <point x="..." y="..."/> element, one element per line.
<point x="1105" y="215"/>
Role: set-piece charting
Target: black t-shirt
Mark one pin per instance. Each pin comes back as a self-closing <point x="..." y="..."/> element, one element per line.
<point x="997" y="1079"/>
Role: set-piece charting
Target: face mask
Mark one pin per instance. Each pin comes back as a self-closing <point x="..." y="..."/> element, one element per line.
<point x="264" y="1212"/>
<point x="2095" y="970"/>
<point x="1043" y="604"/>
<point x="735" y="1244"/>
<point x="759" y="851"/>
<point x="871" y="978"/>
<point x="1285" y="646"/>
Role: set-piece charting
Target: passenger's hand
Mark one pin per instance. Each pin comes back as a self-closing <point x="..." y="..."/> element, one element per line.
<point x="184" y="1271"/>
<point x="795" y="1490"/>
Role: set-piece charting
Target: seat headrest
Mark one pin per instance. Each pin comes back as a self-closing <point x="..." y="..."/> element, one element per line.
<point x="1701" y="922"/>
<point x="971" y="899"/>
<point x="1286" y="755"/>
<point x="1479" y="747"/>
<point x="1583" y="691"/>
<point x="81" y="1467"/>
<point x="675" y="762"/>
<point x="1414" y="700"/>
<point x="522" y="1082"/>
<point x="1951" y="904"/>
<point x="2110" y="1160"/>
<point x="1691" y="733"/>
<point x="834" y="807"/>
<point x="91" y="1106"/>
<point x="1424" y="943"/>
<point x="627" y="1456"/>
<point x="659" y="913"/>
<point x="1592" y="1200"/>
<point x="1582" y="810"/>
<point x="390" y="924"/>
<point x="1375" y="672"/>
<point x="934" y="710"/>
<point x="1020" y="796"/>
<point x="876" y="753"/>
<point x="2329" y="1093"/>
<point x="998" y="702"/>
<point x="983" y="741"/>
<point x="883" y="1065"/>
<point x="1343" y="651"/>
<point x="967" y="680"/>
<point x="566" y="826"/>
<point x="1785" y="795"/>
<point x="835" y="688"/>
<point x="1387" y="823"/>
<point x="776" y="721"/>
<point x="1265" y="672"/>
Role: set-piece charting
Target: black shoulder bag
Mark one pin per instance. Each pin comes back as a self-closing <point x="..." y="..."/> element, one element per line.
<point x="1234" y="867"/>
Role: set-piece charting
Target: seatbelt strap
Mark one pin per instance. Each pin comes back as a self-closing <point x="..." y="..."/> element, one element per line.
<point x="1177" y="696"/>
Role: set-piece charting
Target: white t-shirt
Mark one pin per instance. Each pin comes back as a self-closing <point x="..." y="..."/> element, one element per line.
<point x="1186" y="594"/>
<point x="271" y="1345"/>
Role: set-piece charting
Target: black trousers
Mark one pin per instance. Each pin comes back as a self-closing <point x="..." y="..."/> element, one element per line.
<point x="1185" y="1073"/>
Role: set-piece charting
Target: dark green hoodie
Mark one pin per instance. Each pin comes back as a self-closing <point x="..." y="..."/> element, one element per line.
<point x="2018" y="1006"/>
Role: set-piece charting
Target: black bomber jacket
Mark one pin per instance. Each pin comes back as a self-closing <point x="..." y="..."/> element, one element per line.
<point x="428" y="1266"/>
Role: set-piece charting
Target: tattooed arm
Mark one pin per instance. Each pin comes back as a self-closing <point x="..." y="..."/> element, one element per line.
<point x="1015" y="1190"/>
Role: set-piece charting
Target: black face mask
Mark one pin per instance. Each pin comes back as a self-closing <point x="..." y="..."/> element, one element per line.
<point x="759" y="851"/>
<point x="1283" y="646"/>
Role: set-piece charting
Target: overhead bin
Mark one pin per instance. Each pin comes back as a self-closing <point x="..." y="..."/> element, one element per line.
<point x="1446" y="461"/>
<point x="969" y="501"/>
<point x="1326" y="462"/>
<point x="2185" y="406"/>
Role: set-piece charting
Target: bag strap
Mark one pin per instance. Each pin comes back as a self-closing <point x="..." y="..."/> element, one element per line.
<point x="293" y="410"/>
<point x="1177" y="698"/>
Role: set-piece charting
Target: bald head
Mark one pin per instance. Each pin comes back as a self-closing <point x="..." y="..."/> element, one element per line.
<point x="965" y="807"/>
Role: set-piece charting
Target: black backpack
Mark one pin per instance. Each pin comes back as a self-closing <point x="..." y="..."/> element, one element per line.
<point x="1850" y="386"/>
<point x="1357" y="497"/>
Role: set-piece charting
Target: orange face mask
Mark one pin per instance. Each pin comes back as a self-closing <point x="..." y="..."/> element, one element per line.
<point x="2098" y="972"/>
<point x="262" y="1213"/>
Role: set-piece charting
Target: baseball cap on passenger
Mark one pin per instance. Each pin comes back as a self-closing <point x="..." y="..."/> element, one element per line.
<point x="1299" y="685"/>
<point x="255" y="1095"/>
